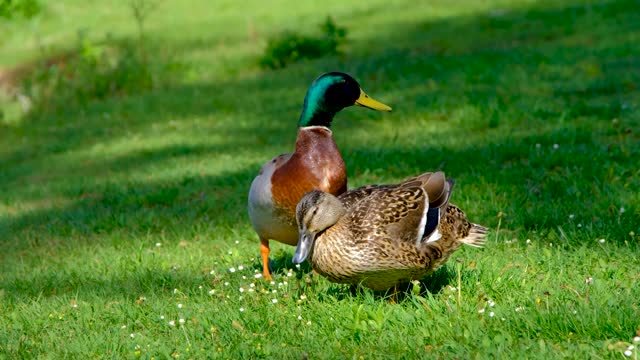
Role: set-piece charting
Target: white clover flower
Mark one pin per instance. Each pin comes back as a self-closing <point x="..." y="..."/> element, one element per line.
<point x="491" y="303"/>
<point x="244" y="277"/>
<point x="240" y="298"/>
<point x="74" y="305"/>
<point x="252" y="285"/>
<point x="528" y="241"/>
<point x="258" y="275"/>
<point x="555" y="146"/>
<point x="289" y="274"/>
<point x="628" y="353"/>
<point x="275" y="301"/>
<point x="273" y="283"/>
<point x="309" y="322"/>
<point x="123" y="327"/>
<point x="230" y="252"/>
<point x="241" y="309"/>
<point x="303" y="296"/>
<point x="212" y="272"/>
<point x="285" y="283"/>
<point x="579" y="225"/>
<point x="181" y="321"/>
<point x="481" y="311"/>
<point x="299" y="317"/>
<point x="601" y="241"/>
<point x="179" y="306"/>
<point x="226" y="283"/>
<point x="241" y="289"/>
<point x="519" y="308"/>
<point x="161" y="317"/>
<point x="631" y="347"/>
<point x="274" y="291"/>
<point x="237" y="241"/>
<point x="589" y="280"/>
<point x="212" y="291"/>
<point x="571" y="216"/>
<point x="158" y="244"/>
<point x="622" y="210"/>
<point x="491" y="314"/>
<point x="132" y="335"/>
<point x="232" y="269"/>
<point x="636" y="339"/>
<point x="297" y="266"/>
<point x="172" y="323"/>
<point x="240" y="268"/>
<point x="250" y="290"/>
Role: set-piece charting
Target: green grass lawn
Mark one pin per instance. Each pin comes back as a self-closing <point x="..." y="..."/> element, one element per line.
<point x="123" y="224"/>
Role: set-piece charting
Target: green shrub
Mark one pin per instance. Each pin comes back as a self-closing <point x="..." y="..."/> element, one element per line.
<point x="290" y="47"/>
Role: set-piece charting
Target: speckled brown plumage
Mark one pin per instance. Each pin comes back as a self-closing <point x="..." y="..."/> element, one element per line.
<point x="378" y="241"/>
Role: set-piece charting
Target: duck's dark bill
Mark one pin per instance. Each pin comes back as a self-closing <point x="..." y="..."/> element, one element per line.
<point x="365" y="101"/>
<point x="302" y="250"/>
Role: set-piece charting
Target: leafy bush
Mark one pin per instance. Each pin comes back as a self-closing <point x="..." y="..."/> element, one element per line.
<point x="290" y="47"/>
<point x="92" y="72"/>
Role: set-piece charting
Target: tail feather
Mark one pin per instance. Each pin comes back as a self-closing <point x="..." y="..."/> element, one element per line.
<point x="477" y="236"/>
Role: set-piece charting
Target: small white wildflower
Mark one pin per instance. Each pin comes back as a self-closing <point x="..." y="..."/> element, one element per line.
<point x="285" y="283"/>
<point x="254" y="270"/>
<point x="241" y="289"/>
<point x="250" y="290"/>
<point x="172" y="323"/>
<point x="132" y="335"/>
<point x="631" y="347"/>
<point x="636" y="339"/>
<point x="74" y="305"/>
<point x="241" y="309"/>
<point x="297" y="266"/>
<point x="571" y="216"/>
<point x="179" y="306"/>
<point x="589" y="280"/>
<point x="275" y="301"/>
<point x="230" y="252"/>
<point x="538" y="146"/>
<point x="289" y="274"/>
<point x="622" y="210"/>
<point x="226" y="283"/>
<point x="244" y="277"/>
<point x="274" y="291"/>
<point x="158" y="244"/>
<point x="232" y="269"/>
<point x="309" y="322"/>
<point x="212" y="291"/>
<point x="628" y="353"/>
<point x="273" y="283"/>
<point x="181" y="321"/>
<point x="299" y="317"/>
<point x="240" y="298"/>
<point x="601" y="241"/>
<point x="555" y="146"/>
<point x="519" y="308"/>
<point x="257" y="276"/>
<point x="175" y="291"/>
<point x="252" y="285"/>
<point x="279" y="285"/>
<point x="491" y="303"/>
<point x="528" y="241"/>
<point x="579" y="225"/>
<point x="303" y="296"/>
<point x="481" y="311"/>
<point x="123" y="327"/>
<point x="491" y="314"/>
<point x="575" y="311"/>
<point x="212" y="272"/>
<point x="237" y="241"/>
<point x="240" y="268"/>
<point x="161" y="317"/>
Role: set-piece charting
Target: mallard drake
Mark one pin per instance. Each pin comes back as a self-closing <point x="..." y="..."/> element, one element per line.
<point x="380" y="236"/>
<point x="316" y="162"/>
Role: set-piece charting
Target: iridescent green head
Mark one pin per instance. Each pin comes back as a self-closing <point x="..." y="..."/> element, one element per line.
<point x="331" y="93"/>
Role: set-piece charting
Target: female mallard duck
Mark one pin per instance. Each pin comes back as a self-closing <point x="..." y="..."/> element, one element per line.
<point x="383" y="235"/>
<point x="316" y="162"/>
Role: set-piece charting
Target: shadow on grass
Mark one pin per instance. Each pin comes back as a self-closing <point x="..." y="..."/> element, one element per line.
<point x="546" y="76"/>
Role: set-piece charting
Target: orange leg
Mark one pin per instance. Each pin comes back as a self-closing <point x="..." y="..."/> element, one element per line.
<point x="264" y="252"/>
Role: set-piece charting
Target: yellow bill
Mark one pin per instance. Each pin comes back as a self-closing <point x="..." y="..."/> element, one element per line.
<point x="365" y="101"/>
